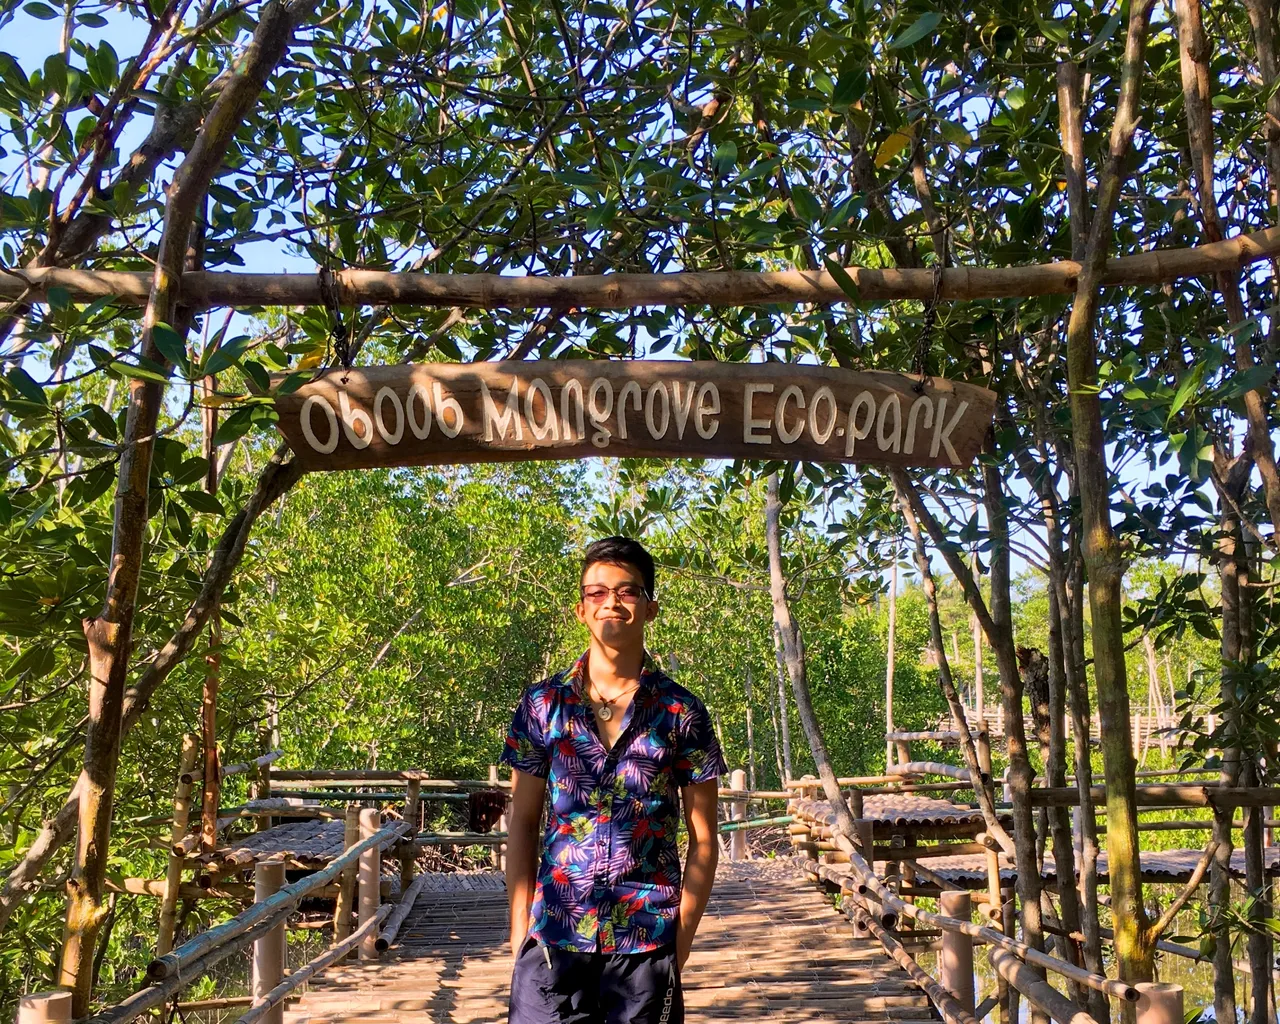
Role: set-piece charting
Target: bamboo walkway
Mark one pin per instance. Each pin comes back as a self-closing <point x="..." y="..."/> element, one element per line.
<point x="770" y="947"/>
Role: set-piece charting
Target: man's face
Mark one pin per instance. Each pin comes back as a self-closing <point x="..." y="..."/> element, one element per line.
<point x="612" y="620"/>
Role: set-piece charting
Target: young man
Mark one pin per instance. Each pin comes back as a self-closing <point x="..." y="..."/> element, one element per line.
<point x="601" y="930"/>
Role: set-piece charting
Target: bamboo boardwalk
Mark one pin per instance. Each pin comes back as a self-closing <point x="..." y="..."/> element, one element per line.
<point x="770" y="947"/>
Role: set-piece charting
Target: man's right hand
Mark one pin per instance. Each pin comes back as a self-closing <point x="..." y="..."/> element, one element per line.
<point x="517" y="940"/>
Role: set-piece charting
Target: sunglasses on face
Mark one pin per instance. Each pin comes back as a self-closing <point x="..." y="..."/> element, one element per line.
<point x="628" y="593"/>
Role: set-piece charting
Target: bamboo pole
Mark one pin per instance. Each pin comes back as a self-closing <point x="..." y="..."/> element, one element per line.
<point x="408" y="852"/>
<point x="347" y="881"/>
<point x="269" y="950"/>
<point x="173" y="875"/>
<point x="161" y="991"/>
<point x="266" y="1006"/>
<point x="178" y="960"/>
<point x="398" y="914"/>
<point x="206" y="289"/>
<point x="370" y="872"/>
<point x="950" y="1008"/>
<point x="738" y="811"/>
<point x="955" y="959"/>
<point x="1038" y="992"/>
<point x="44" y="1008"/>
<point x="931" y="768"/>
<point x="368" y="776"/>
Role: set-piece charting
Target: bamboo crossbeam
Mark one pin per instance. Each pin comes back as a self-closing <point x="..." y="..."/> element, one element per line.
<point x="247" y="766"/>
<point x="177" y="961"/>
<point x="326" y="959"/>
<point x="459" y="838"/>
<point x="381" y="796"/>
<point x="1037" y="991"/>
<point x="221" y="1003"/>
<point x="934" y="735"/>
<point x="400" y="914"/>
<point x="156" y="887"/>
<point x="754" y="794"/>
<point x="206" y="289"/>
<point x="931" y="768"/>
<point x="742" y="826"/>
<point x="1200" y="794"/>
<point x="389" y="777"/>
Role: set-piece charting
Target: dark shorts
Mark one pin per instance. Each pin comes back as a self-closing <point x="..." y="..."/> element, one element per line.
<point x="595" y="988"/>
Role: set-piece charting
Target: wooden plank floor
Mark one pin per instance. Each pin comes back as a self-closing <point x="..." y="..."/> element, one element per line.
<point x="770" y="947"/>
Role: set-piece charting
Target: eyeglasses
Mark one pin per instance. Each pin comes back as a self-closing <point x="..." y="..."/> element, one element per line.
<point x="628" y="593"/>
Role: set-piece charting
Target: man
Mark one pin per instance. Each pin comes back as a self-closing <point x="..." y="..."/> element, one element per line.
<point x="601" y="931"/>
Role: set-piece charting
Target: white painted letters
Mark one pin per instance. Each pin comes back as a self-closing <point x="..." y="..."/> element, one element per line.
<point x="304" y="418"/>
<point x="750" y="424"/>
<point x="600" y="416"/>
<point x="785" y="435"/>
<point x="708" y="405"/>
<point x="387" y="395"/>
<point x="852" y="431"/>
<point x="510" y="414"/>
<point x="548" y="427"/>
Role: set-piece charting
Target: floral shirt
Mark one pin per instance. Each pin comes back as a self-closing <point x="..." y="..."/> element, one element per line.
<point x="609" y="880"/>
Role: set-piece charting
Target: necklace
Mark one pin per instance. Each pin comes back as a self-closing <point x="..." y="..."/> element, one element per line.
<point x="605" y="710"/>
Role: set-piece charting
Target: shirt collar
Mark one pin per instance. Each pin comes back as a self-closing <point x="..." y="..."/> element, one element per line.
<point x="650" y="672"/>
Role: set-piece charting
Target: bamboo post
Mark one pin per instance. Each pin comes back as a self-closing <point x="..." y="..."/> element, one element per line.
<point x="370" y="872"/>
<point x="262" y="785"/>
<point x="181" y="816"/>
<point x="984" y="749"/>
<point x="44" y="1008"/>
<point x="495" y="858"/>
<point x="1159" y="1003"/>
<point x="347" y="880"/>
<point x="1006" y="993"/>
<point x="955" y="961"/>
<point x="268" y="949"/>
<point x="408" y="851"/>
<point x="738" y="812"/>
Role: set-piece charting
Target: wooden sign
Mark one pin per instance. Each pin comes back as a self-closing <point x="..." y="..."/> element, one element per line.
<point x="409" y="415"/>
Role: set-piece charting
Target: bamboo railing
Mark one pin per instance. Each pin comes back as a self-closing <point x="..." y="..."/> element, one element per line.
<point x="877" y="905"/>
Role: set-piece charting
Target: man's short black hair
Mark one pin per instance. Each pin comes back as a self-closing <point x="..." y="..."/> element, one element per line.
<point x="621" y="551"/>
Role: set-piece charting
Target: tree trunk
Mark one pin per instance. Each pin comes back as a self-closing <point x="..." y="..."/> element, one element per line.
<point x="890" y="659"/>
<point x="276" y="478"/>
<point x="109" y="636"/>
<point x="793" y="659"/>
<point x="783" y="709"/>
<point x="1102" y="552"/>
<point x="751" y="732"/>
<point x="958" y="717"/>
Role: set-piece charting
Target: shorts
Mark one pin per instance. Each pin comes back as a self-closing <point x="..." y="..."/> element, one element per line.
<point x="595" y="988"/>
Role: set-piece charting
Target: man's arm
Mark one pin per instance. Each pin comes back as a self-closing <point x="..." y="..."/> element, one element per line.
<point x="524" y="817"/>
<point x="699" y="873"/>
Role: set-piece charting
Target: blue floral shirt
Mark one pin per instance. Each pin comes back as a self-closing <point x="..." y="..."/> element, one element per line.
<point x="609" y="880"/>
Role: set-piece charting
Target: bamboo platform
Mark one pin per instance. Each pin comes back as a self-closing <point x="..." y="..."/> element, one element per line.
<point x="770" y="947"/>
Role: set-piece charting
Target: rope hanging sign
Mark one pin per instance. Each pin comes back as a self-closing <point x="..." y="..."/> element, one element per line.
<point x="432" y="413"/>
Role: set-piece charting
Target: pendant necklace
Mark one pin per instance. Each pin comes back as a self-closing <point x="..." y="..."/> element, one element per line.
<point x="605" y="710"/>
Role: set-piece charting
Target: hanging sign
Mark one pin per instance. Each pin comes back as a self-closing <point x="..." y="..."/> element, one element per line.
<point x="408" y="415"/>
